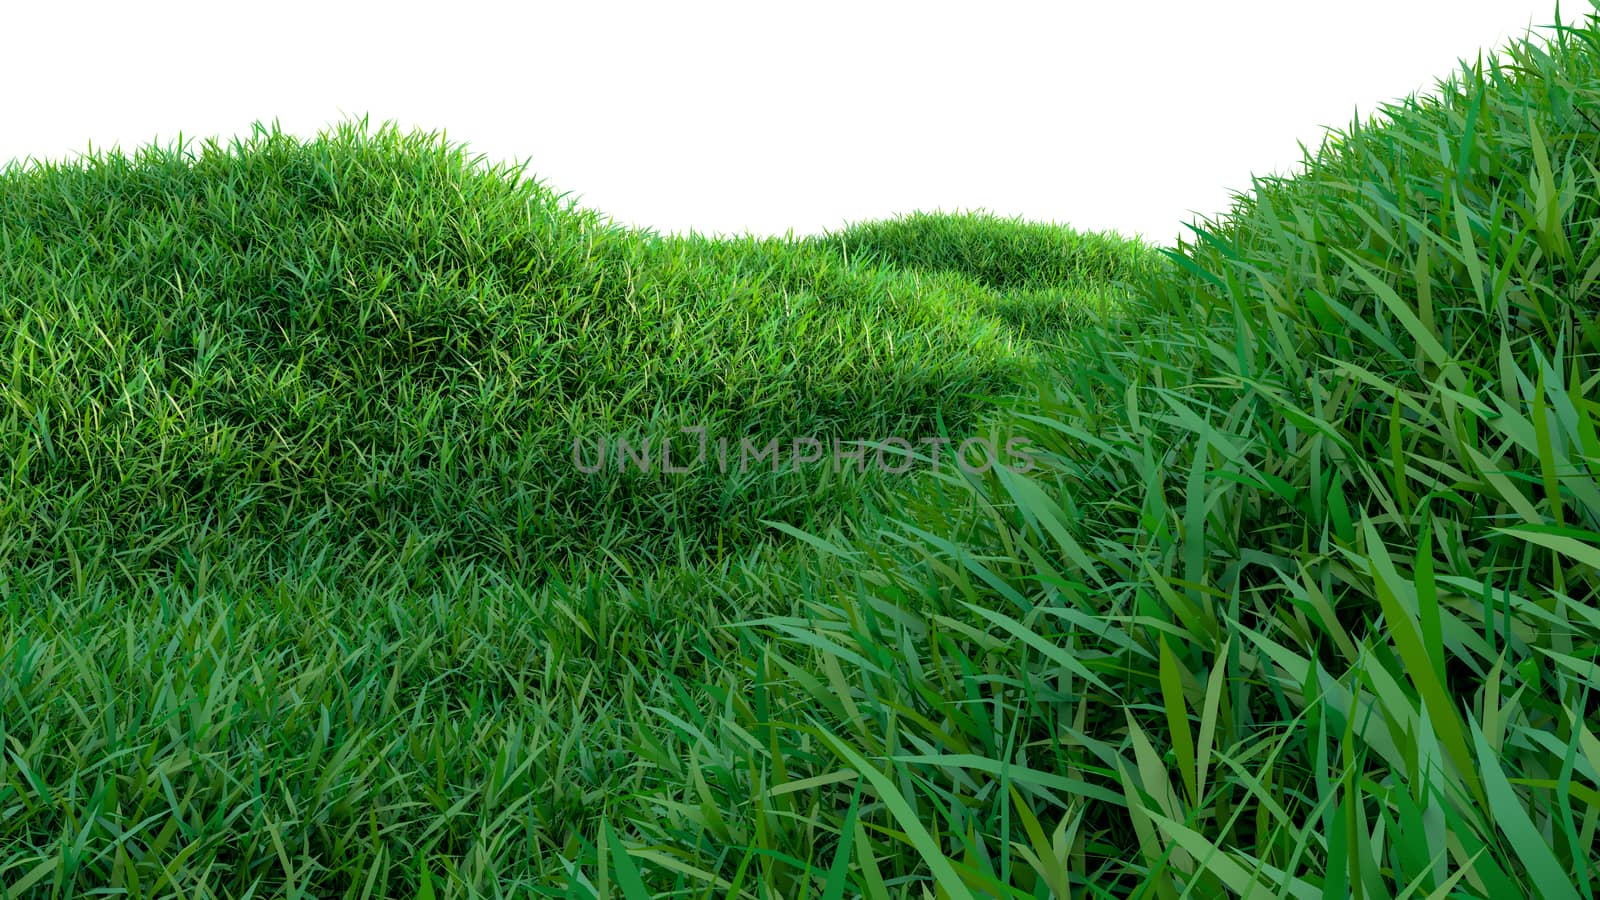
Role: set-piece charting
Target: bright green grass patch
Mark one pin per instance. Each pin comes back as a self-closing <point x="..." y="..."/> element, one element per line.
<point x="367" y="344"/>
<point x="998" y="252"/>
<point x="1046" y="280"/>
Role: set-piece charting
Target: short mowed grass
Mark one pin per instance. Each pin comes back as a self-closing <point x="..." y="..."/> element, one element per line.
<point x="304" y="596"/>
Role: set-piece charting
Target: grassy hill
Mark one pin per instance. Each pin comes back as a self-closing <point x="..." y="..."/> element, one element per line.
<point x="304" y="595"/>
<point x="368" y="346"/>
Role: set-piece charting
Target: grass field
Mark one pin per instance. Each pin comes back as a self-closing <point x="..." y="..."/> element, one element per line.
<point x="304" y="592"/>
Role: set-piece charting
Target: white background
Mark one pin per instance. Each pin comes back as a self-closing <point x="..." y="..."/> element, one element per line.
<point x="725" y="117"/>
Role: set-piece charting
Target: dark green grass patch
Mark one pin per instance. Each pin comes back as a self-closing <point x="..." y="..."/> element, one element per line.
<point x="1301" y="599"/>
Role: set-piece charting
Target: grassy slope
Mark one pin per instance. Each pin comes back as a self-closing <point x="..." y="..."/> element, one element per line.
<point x="368" y="346"/>
<point x="1302" y="598"/>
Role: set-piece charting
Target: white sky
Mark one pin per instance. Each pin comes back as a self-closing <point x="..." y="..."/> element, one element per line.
<point x="726" y="117"/>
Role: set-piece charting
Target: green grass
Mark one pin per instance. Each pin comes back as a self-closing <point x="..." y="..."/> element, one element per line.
<point x="370" y="346"/>
<point x="1299" y="599"/>
<point x="1045" y="280"/>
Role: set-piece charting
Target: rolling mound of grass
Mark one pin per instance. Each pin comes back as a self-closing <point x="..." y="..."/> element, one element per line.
<point x="1044" y="280"/>
<point x="998" y="252"/>
<point x="1300" y="597"/>
<point x="367" y="347"/>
